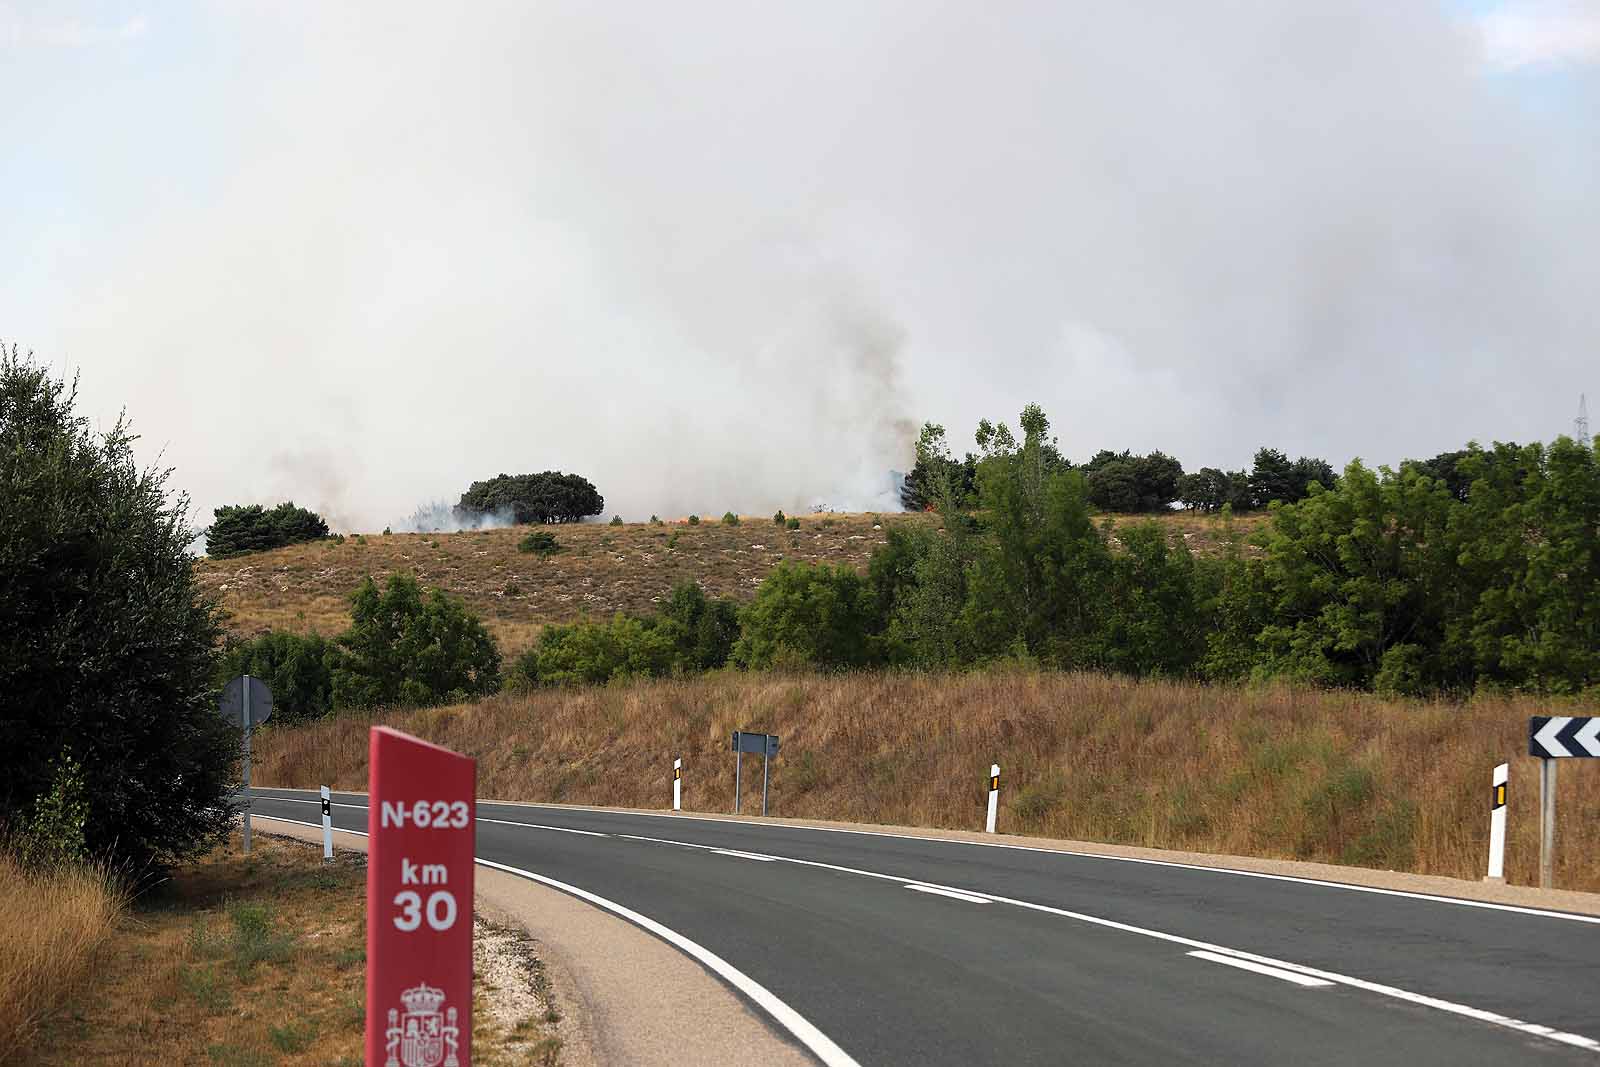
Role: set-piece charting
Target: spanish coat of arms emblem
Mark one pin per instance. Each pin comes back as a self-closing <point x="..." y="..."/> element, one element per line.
<point x="422" y="1037"/>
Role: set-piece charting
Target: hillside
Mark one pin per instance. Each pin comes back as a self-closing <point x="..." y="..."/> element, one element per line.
<point x="601" y="570"/>
<point x="1281" y="772"/>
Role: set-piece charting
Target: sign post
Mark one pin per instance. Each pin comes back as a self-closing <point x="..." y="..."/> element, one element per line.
<point x="767" y="745"/>
<point x="1553" y="737"/>
<point x="421" y="821"/>
<point x="677" y="785"/>
<point x="248" y="702"/>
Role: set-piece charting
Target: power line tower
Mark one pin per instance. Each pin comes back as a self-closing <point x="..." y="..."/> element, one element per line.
<point x="1581" y="423"/>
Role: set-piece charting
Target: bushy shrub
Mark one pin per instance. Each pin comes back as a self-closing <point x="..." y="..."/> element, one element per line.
<point x="694" y="520"/>
<point x="793" y="524"/>
<point x="107" y="643"/>
<point x="818" y="615"/>
<point x="237" y="531"/>
<point x="729" y="519"/>
<point x="655" y="520"/>
<point x="616" y="520"/>
<point x="541" y="543"/>
<point x="779" y="518"/>
<point x="408" y="647"/>
<point x="53" y="834"/>
<point x="690" y="633"/>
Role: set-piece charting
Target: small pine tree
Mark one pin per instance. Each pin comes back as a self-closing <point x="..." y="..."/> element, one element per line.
<point x="616" y="520"/>
<point x="694" y="520"/>
<point x="779" y="518"/>
<point x="729" y="519"/>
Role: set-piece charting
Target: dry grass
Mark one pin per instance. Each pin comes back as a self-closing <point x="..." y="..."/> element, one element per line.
<point x="1280" y="772"/>
<point x="52" y="924"/>
<point x="602" y="569"/>
<point x="244" y="961"/>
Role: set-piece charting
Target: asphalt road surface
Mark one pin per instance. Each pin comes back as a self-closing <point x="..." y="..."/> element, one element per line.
<point x="875" y="949"/>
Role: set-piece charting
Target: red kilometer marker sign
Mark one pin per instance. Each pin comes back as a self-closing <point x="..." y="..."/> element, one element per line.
<point x="421" y="816"/>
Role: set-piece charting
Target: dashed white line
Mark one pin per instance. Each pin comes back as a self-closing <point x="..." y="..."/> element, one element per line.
<point x="953" y="894"/>
<point x="744" y="855"/>
<point x="1258" y="968"/>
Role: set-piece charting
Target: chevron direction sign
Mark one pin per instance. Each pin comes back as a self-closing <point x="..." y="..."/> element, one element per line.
<point x="1556" y="736"/>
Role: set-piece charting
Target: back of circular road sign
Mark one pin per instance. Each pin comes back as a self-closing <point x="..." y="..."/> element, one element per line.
<point x="233" y="700"/>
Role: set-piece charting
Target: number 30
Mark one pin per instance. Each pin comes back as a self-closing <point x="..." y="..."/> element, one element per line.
<point x="441" y="910"/>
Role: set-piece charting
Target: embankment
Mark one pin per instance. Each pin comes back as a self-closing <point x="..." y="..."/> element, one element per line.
<point x="1279" y="772"/>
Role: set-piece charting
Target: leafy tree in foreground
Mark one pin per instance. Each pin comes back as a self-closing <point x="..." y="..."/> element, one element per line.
<point x="107" y="646"/>
<point x="405" y="646"/>
<point x="534" y="498"/>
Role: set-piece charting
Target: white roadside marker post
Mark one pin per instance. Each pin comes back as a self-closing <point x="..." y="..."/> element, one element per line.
<point x="1497" y="825"/>
<point x="327" y="825"/>
<point x="677" y="785"/>
<point x="994" y="796"/>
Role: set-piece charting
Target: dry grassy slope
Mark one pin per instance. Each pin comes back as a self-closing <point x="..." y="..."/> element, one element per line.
<point x="603" y="569"/>
<point x="1283" y="773"/>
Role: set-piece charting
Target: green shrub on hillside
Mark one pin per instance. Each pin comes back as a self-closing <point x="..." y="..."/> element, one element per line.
<point x="818" y="615"/>
<point x="793" y="524"/>
<point x="616" y="520"/>
<point x="694" y="520"/>
<point x="541" y="543"/>
<point x="729" y="519"/>
<point x="253" y="528"/>
<point x="405" y="646"/>
<point x="779" y="518"/>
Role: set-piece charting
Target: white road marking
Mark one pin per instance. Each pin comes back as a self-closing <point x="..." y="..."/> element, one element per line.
<point x="970" y="898"/>
<point x="744" y="855"/>
<point x="1439" y="1004"/>
<point x="1274" y="972"/>
<point x="804" y="1032"/>
<point x="541" y="826"/>
<point x="1435" y="898"/>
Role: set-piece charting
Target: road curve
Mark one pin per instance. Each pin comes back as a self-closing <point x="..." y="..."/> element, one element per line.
<point x="901" y="950"/>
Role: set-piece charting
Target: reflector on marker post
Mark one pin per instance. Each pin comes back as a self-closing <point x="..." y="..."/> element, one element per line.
<point x="994" y="796"/>
<point x="677" y="785"/>
<point x="1497" y="825"/>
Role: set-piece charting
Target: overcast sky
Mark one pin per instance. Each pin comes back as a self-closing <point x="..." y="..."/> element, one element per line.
<point x="731" y="255"/>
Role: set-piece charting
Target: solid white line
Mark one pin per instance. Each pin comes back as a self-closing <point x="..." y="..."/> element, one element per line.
<point x="1274" y="972"/>
<point x="1515" y="909"/>
<point x="744" y="855"/>
<point x="808" y="1035"/>
<point x="970" y="898"/>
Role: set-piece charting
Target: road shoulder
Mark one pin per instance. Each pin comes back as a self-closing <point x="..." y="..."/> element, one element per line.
<point x="626" y="996"/>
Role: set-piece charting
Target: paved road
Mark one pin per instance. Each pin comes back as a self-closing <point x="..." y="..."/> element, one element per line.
<point x="1019" y="956"/>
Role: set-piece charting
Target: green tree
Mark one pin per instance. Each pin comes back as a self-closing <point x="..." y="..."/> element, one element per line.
<point x="405" y="646"/>
<point x="253" y="528"/>
<point x="1155" y="613"/>
<point x="549" y="497"/>
<point x="107" y="644"/>
<point x="1036" y="583"/>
